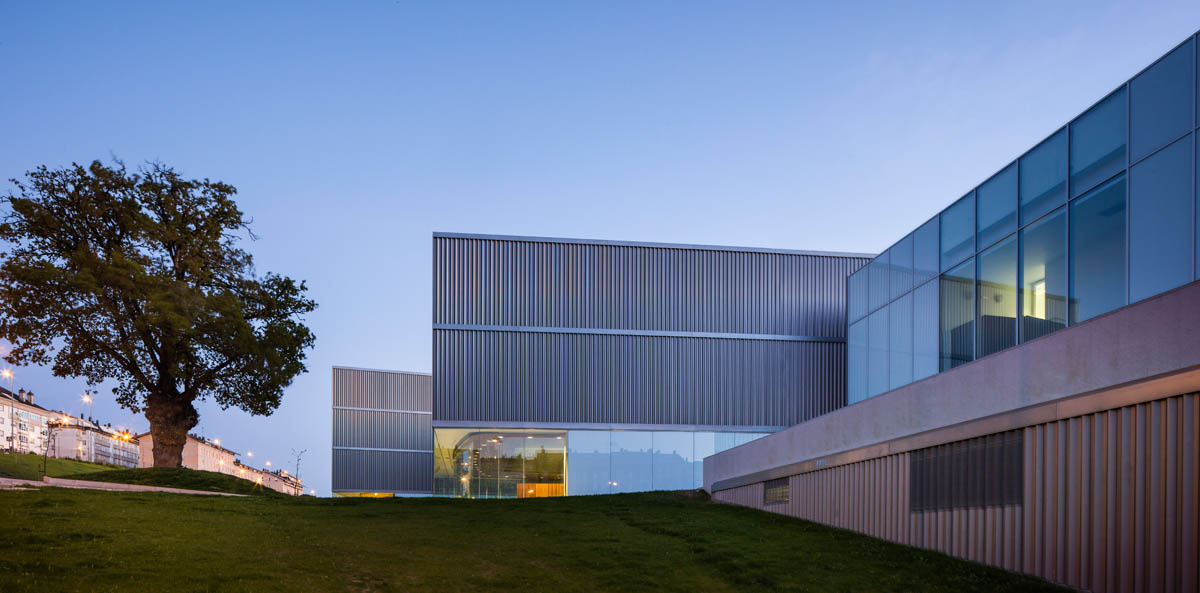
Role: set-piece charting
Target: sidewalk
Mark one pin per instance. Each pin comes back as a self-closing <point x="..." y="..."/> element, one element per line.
<point x="15" y="484"/>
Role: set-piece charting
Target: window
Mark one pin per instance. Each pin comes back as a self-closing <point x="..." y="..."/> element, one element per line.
<point x="925" y="253"/>
<point x="877" y="353"/>
<point x="857" y="289"/>
<point x="1097" y="255"/>
<point x="901" y="350"/>
<point x="997" y="324"/>
<point x="980" y="472"/>
<point x="901" y="258"/>
<point x="1160" y="221"/>
<point x="1160" y="102"/>
<point x="856" y="362"/>
<point x="1044" y="178"/>
<point x="957" y="300"/>
<point x="925" y="330"/>
<point x="1098" y="143"/>
<point x="997" y="206"/>
<point x="1044" y="276"/>
<point x="879" y="281"/>
<point x="958" y="231"/>
<point x="776" y="491"/>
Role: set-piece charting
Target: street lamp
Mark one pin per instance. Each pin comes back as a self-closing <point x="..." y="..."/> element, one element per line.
<point x="87" y="399"/>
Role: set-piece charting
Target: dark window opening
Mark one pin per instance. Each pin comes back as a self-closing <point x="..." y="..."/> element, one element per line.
<point x="776" y="491"/>
<point x="981" y="472"/>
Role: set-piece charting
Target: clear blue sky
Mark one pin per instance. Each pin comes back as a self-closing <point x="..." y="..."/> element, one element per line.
<point x="355" y="131"/>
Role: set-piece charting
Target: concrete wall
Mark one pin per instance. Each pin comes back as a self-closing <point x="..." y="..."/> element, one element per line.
<point x="1153" y="343"/>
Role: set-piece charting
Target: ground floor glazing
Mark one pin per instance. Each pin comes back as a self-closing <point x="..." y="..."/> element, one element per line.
<point x="532" y="463"/>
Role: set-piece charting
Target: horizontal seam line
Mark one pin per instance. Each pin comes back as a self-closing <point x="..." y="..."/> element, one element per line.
<point x="337" y="447"/>
<point x="381" y="410"/>
<point x="635" y="332"/>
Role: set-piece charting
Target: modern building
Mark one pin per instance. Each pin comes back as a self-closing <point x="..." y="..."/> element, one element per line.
<point x="1023" y="368"/>
<point x="566" y="366"/>
<point x="1016" y="381"/>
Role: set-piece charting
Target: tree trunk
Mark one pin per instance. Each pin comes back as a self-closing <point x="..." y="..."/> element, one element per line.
<point x="171" y="417"/>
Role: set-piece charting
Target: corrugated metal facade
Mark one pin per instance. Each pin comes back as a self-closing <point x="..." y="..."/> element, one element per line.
<point x="382" y="431"/>
<point x="547" y="330"/>
<point x="1111" y="502"/>
<point x="550" y="377"/>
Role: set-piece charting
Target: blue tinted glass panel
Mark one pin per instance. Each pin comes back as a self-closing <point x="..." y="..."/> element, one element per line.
<point x="856" y="362"/>
<point x="901" y="258"/>
<point x="900" y="364"/>
<point x="1160" y="221"/>
<point x="858" y="288"/>
<point x="1044" y="178"/>
<point x="926" y="258"/>
<point x="1160" y="102"/>
<point x="925" y="330"/>
<point x="997" y="206"/>
<point x="704" y="445"/>
<point x="1097" y="255"/>
<point x="1098" y="143"/>
<point x="877" y="353"/>
<point x="957" y="305"/>
<point x="587" y="462"/>
<point x="880" y="276"/>
<point x="1044" y="276"/>
<point x="958" y="231"/>
<point x="632" y="460"/>
<point x="997" y="323"/>
<point x="673" y="460"/>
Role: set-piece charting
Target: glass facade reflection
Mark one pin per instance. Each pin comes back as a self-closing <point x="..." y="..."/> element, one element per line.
<point x="482" y="463"/>
<point x="1100" y="214"/>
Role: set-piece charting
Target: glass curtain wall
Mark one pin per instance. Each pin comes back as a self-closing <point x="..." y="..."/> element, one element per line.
<point x="481" y="463"/>
<point x="1100" y="214"/>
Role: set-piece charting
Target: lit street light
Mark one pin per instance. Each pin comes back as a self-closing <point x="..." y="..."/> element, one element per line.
<point x="87" y="399"/>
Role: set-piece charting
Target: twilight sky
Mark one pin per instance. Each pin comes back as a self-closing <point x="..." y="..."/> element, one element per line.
<point x="354" y="131"/>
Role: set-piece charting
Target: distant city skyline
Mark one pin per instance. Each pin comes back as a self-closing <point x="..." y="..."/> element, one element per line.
<point x="353" y="133"/>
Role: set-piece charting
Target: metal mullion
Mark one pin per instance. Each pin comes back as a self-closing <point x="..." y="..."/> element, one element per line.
<point x="1128" y="152"/>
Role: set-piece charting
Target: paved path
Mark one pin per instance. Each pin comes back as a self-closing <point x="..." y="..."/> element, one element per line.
<point x="13" y="484"/>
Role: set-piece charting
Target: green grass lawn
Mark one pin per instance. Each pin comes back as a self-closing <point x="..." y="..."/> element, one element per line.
<point x="78" y="540"/>
<point x="182" y="478"/>
<point x="27" y="466"/>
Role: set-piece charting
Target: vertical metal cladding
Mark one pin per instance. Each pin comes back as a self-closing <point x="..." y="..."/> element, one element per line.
<point x="382" y="431"/>
<point x="535" y="282"/>
<point x="552" y="377"/>
<point x="779" y="358"/>
<point x="1110" y="502"/>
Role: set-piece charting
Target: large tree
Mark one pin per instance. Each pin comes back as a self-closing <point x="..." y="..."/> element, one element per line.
<point x="136" y="277"/>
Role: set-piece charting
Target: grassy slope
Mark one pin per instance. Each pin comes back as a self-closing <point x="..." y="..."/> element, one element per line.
<point x="27" y="466"/>
<point x="182" y="478"/>
<point x="64" y="540"/>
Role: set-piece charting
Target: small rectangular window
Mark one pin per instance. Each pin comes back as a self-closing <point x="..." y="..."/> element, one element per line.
<point x="777" y="491"/>
<point x="980" y="472"/>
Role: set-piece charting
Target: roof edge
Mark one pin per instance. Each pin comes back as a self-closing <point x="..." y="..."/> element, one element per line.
<point x="652" y="244"/>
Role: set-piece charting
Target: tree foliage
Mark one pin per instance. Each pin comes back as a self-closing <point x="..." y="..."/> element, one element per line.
<point x="136" y="276"/>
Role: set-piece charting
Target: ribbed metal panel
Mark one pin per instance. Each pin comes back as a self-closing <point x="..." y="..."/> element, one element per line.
<point x="1111" y="502"/>
<point x="388" y="390"/>
<point x="554" y="284"/>
<point x="382" y="471"/>
<point x="382" y="430"/>
<point x="382" y="410"/>
<point x="551" y="377"/>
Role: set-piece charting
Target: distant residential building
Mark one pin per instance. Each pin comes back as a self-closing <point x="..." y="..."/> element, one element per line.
<point x="86" y="440"/>
<point x="208" y="455"/>
<point x="22" y="423"/>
